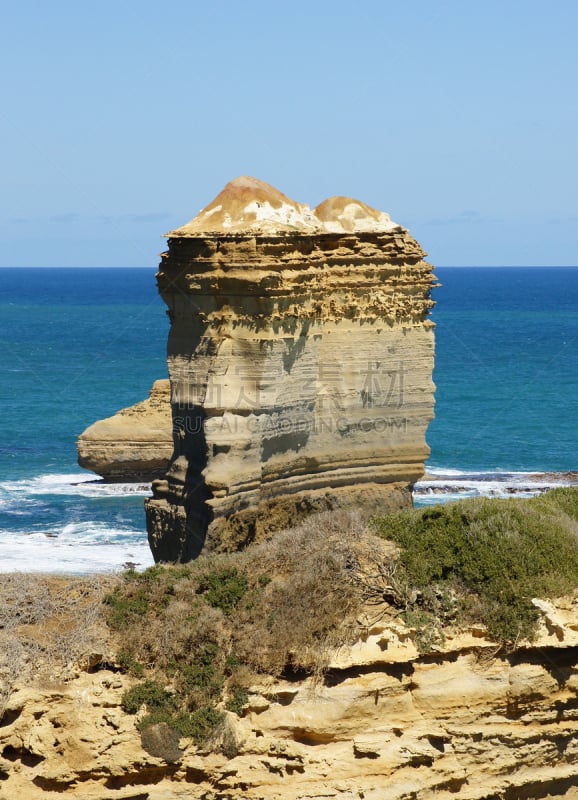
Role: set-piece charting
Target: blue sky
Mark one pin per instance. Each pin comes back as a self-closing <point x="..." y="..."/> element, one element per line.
<point x="120" y="120"/>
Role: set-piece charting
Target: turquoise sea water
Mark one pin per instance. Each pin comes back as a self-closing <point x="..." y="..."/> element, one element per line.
<point x="78" y="345"/>
<point x="506" y="369"/>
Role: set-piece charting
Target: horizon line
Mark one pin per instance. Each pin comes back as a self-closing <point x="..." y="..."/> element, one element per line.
<point x="435" y="266"/>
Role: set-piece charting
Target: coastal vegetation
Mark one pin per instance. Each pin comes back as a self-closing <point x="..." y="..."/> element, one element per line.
<point x="49" y="626"/>
<point x="195" y="637"/>
<point x="483" y="560"/>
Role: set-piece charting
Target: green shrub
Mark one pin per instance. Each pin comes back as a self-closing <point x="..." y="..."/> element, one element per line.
<point x="150" y="694"/>
<point x="138" y="593"/>
<point x="223" y="589"/>
<point x="427" y="631"/>
<point x="203" y="676"/>
<point x="237" y="700"/>
<point x="197" y="725"/>
<point x="503" y="552"/>
<point x="127" y="662"/>
<point x="123" y="609"/>
<point x="564" y="499"/>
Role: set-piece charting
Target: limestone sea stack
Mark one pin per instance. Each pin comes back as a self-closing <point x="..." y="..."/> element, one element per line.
<point x="135" y="444"/>
<point x="300" y="357"/>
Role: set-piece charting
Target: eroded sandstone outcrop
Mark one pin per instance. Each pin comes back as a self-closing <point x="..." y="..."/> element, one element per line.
<point x="300" y="357"/>
<point x="136" y="443"/>
<point x="464" y="722"/>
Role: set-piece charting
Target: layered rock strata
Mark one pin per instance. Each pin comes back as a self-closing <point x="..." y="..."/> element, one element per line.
<point x="134" y="444"/>
<point x="300" y="357"/>
<point x="462" y="723"/>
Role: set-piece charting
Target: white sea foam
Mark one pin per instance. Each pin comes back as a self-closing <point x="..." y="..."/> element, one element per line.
<point x="71" y="484"/>
<point x="40" y="553"/>
<point x="77" y="547"/>
<point x="442" y="471"/>
<point x="32" y="541"/>
<point x="444" y="485"/>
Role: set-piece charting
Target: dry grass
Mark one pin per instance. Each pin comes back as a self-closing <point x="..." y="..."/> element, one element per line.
<point x="49" y="625"/>
<point x="292" y="599"/>
<point x="320" y="576"/>
<point x="210" y="627"/>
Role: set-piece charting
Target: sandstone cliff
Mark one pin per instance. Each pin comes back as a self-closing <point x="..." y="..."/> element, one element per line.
<point x="300" y="358"/>
<point x="134" y="444"/>
<point x="463" y="722"/>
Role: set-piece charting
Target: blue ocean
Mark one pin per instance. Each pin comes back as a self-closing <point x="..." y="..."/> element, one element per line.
<point x="80" y="344"/>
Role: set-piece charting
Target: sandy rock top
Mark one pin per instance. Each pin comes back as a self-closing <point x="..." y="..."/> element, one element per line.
<point x="248" y="205"/>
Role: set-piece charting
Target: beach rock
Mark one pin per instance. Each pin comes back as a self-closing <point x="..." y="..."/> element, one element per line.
<point x="134" y="444"/>
<point x="300" y="357"/>
<point x="468" y="722"/>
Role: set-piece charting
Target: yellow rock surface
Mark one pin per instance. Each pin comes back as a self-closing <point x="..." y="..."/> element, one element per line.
<point x="464" y="723"/>
<point x="134" y="444"/>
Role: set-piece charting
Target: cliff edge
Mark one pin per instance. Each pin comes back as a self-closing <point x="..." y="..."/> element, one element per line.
<point x="463" y="723"/>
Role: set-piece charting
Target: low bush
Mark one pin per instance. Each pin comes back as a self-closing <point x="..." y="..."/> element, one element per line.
<point x="224" y="589"/>
<point x="206" y="629"/>
<point x="237" y="700"/>
<point x="197" y="725"/>
<point x="491" y="556"/>
<point x="150" y="694"/>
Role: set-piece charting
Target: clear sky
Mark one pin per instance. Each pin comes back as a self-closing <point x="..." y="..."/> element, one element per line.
<point x="120" y="120"/>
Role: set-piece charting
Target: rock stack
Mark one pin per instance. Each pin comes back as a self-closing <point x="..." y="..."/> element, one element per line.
<point x="300" y="357"/>
<point x="135" y="444"/>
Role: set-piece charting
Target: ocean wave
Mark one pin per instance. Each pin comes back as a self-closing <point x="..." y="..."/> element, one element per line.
<point x="73" y="485"/>
<point x="33" y="553"/>
<point x="74" y="547"/>
<point x="91" y="532"/>
<point x="449" y="484"/>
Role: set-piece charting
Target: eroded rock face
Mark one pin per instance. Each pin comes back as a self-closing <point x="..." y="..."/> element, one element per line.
<point x="300" y="357"/>
<point x="464" y="722"/>
<point x="134" y="444"/>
